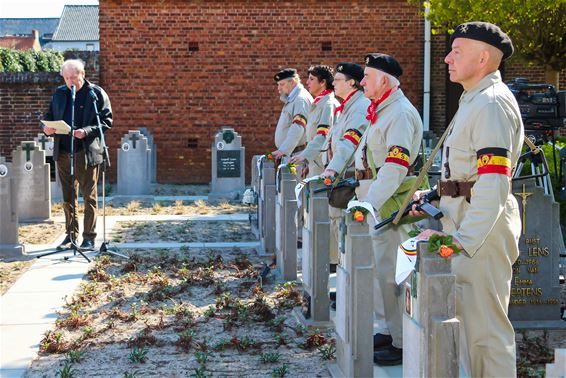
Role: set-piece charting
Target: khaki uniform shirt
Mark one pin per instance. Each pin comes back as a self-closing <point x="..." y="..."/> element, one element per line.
<point x="394" y="141"/>
<point x="290" y="131"/>
<point x="320" y="121"/>
<point x="483" y="146"/>
<point x="347" y="131"/>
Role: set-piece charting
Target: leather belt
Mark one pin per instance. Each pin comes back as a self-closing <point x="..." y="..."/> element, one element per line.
<point x="453" y="188"/>
<point x="364" y="174"/>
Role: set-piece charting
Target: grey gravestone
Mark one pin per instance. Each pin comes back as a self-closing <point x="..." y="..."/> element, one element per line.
<point x="266" y="208"/>
<point x="354" y="304"/>
<point x="9" y="246"/>
<point x="153" y="148"/>
<point x="134" y="162"/>
<point x="285" y="226"/>
<point x="228" y="168"/>
<point x="315" y="257"/>
<point x="558" y="368"/>
<point x="33" y="184"/>
<point x="46" y="144"/>
<point x="430" y="328"/>
<point x="254" y="217"/>
<point x="535" y="287"/>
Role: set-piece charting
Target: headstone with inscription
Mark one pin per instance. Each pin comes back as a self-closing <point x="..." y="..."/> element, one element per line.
<point x="228" y="168"/>
<point x="535" y="287"/>
<point x="153" y="147"/>
<point x="254" y="217"/>
<point x="33" y="186"/>
<point x="285" y="226"/>
<point x="134" y="164"/>
<point x="315" y="256"/>
<point x="266" y="207"/>
<point x="46" y="144"/>
<point x="354" y="304"/>
<point x="9" y="246"/>
<point x="430" y="328"/>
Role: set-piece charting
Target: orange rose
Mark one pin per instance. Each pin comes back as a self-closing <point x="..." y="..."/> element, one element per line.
<point x="358" y="216"/>
<point x="269" y="156"/>
<point x="327" y="181"/>
<point x="445" y="251"/>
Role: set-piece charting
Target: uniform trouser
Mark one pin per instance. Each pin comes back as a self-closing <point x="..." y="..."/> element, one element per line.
<point x="483" y="285"/>
<point x="86" y="179"/>
<point x="385" y="243"/>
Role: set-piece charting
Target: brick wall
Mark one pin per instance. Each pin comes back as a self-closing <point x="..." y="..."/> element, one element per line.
<point x="155" y="80"/>
<point x="24" y="98"/>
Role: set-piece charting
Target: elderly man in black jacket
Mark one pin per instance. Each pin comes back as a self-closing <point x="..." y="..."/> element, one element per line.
<point x="88" y="150"/>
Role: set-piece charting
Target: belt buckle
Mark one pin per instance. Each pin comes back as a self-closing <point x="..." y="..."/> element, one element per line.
<point x="456" y="186"/>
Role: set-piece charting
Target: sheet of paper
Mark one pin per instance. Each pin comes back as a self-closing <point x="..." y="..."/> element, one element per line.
<point x="60" y="127"/>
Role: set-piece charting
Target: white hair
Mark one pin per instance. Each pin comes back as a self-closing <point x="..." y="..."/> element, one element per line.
<point x="393" y="81"/>
<point x="77" y="64"/>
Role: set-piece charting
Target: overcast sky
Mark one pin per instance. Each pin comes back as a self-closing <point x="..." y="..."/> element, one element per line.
<point x="37" y="8"/>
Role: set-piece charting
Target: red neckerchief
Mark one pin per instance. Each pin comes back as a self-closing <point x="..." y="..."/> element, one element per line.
<point x="341" y="107"/>
<point x="372" y="108"/>
<point x="321" y="95"/>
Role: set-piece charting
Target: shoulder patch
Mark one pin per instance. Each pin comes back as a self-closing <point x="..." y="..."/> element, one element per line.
<point x="353" y="135"/>
<point x="398" y="155"/>
<point x="494" y="160"/>
<point x="322" y="130"/>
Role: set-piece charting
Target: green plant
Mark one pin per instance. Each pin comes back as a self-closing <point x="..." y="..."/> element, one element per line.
<point x="132" y="374"/>
<point x="247" y="343"/>
<point x="280" y="371"/>
<point x="67" y="371"/>
<point x="315" y="339"/>
<point x="270" y="357"/>
<point x="200" y="373"/>
<point x="185" y="340"/>
<point x="327" y="352"/>
<point x="210" y="311"/>
<point x="202" y="357"/>
<point x="221" y="344"/>
<point x="138" y="355"/>
<point x="52" y="342"/>
<point x="88" y="332"/>
<point x="74" y="356"/>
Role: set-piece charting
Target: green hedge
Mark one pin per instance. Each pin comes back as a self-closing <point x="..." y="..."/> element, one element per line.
<point x="30" y="61"/>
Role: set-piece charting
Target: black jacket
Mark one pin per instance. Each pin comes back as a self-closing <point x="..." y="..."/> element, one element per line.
<point x="91" y="143"/>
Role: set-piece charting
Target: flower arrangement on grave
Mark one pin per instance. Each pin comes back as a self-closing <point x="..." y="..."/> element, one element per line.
<point x="327" y="180"/>
<point x="359" y="214"/>
<point x="442" y="245"/>
<point x="269" y="155"/>
<point x="292" y="168"/>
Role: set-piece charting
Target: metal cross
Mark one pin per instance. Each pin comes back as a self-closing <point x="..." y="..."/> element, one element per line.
<point x="43" y="140"/>
<point x="134" y="138"/>
<point x="28" y="148"/>
<point x="524" y="196"/>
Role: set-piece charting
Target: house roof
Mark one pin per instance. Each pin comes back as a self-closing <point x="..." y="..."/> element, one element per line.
<point x="78" y="23"/>
<point x="20" y="43"/>
<point x="24" y="26"/>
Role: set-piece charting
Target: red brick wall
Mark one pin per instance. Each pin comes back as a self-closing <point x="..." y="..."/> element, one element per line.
<point x="155" y="81"/>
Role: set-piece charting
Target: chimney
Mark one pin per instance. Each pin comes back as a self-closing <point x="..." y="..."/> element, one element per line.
<point x="36" y="44"/>
<point x="35" y="34"/>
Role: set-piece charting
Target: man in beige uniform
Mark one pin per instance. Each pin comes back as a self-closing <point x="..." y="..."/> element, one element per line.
<point x="290" y="131"/>
<point x="320" y="118"/>
<point x="481" y="151"/>
<point x="388" y="149"/>
<point x="345" y="135"/>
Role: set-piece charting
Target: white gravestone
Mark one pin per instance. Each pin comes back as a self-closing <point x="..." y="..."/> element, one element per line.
<point x="33" y="184"/>
<point x="315" y="257"/>
<point x="354" y="303"/>
<point x="134" y="163"/>
<point x="266" y="205"/>
<point x="286" y="228"/>
<point x="9" y="246"/>
<point x="153" y="147"/>
<point x="228" y="168"/>
<point x="47" y="144"/>
<point x="430" y="328"/>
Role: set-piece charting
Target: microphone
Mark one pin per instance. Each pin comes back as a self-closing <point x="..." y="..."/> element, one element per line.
<point x="73" y="89"/>
<point x="93" y="95"/>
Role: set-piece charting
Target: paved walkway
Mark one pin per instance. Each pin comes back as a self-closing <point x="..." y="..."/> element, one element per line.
<point x="29" y="308"/>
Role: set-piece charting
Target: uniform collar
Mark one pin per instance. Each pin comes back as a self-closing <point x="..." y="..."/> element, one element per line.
<point x="488" y="80"/>
<point x="293" y="95"/>
<point x="396" y="95"/>
<point x="352" y="100"/>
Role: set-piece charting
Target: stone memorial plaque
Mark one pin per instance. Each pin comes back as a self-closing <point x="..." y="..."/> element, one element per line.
<point x="535" y="287"/>
<point x="228" y="163"/>
<point x="341" y="304"/>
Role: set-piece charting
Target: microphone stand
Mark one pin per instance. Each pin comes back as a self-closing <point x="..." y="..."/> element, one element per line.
<point x="74" y="247"/>
<point x="105" y="163"/>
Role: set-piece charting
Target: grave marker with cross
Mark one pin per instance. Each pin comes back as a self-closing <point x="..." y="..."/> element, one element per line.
<point x="134" y="165"/>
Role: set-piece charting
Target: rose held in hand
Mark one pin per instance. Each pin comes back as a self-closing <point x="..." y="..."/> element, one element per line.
<point x="445" y="251"/>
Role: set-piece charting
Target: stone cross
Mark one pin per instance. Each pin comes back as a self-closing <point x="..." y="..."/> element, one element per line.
<point x="9" y="245"/>
<point x="266" y="208"/>
<point x="33" y="184"/>
<point x="430" y="328"/>
<point x="228" y="168"/>
<point x="134" y="178"/>
<point x="315" y="257"/>
<point x="286" y="229"/>
<point x="354" y="303"/>
<point x="43" y="140"/>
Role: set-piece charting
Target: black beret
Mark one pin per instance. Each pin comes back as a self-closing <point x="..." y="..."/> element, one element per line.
<point x="385" y="63"/>
<point x="485" y="32"/>
<point x="285" y="74"/>
<point x="355" y="71"/>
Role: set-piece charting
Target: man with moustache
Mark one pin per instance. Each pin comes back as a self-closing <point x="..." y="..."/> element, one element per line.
<point x="480" y="212"/>
<point x="290" y="131"/>
<point x="388" y="149"/>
